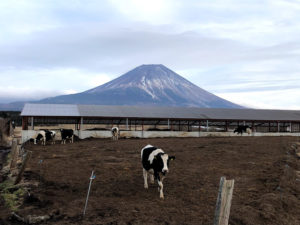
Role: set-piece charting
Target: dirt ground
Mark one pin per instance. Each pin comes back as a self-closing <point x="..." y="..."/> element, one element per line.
<point x="266" y="187"/>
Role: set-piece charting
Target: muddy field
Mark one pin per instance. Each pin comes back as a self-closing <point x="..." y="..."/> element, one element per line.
<point x="266" y="186"/>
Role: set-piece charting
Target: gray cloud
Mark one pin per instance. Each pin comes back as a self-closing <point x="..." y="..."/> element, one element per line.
<point x="223" y="46"/>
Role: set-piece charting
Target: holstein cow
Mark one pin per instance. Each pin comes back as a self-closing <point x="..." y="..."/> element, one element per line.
<point x="67" y="134"/>
<point x="242" y="128"/>
<point x="115" y="133"/>
<point x="44" y="136"/>
<point x="156" y="163"/>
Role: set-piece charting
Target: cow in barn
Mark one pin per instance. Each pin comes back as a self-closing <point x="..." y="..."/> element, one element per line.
<point x="242" y="128"/>
<point x="40" y="136"/>
<point x="155" y="163"/>
<point x="44" y="136"/>
<point x="115" y="133"/>
<point x="67" y="134"/>
<point x="50" y="136"/>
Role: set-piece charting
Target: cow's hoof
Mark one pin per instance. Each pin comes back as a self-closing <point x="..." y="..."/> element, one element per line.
<point x="146" y="186"/>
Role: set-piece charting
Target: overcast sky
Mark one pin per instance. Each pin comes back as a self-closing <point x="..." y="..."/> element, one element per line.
<point x="247" y="52"/>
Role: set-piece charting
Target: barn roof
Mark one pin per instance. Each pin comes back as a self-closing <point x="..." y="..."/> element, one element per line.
<point x="147" y="112"/>
<point x="50" y="110"/>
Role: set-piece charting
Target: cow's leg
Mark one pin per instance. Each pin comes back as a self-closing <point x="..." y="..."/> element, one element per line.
<point x="160" y="184"/>
<point x="152" y="178"/>
<point x="72" y="139"/>
<point x="160" y="188"/>
<point x="145" y="178"/>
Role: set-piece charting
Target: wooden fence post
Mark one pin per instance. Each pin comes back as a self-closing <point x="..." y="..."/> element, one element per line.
<point x="24" y="164"/>
<point x="223" y="202"/>
<point x="14" y="154"/>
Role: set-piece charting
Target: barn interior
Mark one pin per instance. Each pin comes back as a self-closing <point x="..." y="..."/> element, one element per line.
<point x="137" y="121"/>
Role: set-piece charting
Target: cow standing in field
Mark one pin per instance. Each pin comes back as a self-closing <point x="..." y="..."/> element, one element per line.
<point x="241" y="129"/>
<point x="67" y="134"/>
<point x="44" y="136"/>
<point x="115" y="133"/>
<point x="156" y="163"/>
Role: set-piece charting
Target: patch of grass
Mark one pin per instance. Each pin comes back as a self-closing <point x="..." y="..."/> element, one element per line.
<point x="12" y="195"/>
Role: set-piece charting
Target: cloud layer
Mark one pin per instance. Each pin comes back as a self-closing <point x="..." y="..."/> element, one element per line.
<point x="246" y="52"/>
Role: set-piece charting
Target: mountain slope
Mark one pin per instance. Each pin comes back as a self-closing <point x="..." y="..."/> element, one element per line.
<point x="146" y="85"/>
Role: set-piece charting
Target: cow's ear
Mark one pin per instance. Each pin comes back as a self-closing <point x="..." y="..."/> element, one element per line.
<point x="171" y="157"/>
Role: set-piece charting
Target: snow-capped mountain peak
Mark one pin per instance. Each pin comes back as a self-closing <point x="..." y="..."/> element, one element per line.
<point x="157" y="85"/>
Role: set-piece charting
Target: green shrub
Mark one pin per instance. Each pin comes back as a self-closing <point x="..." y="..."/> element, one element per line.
<point x="12" y="195"/>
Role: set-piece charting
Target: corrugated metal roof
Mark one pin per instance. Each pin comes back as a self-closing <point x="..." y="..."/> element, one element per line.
<point x="159" y="112"/>
<point x="50" y="110"/>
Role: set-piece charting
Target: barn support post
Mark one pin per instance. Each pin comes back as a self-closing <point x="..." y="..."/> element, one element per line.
<point x="278" y="126"/>
<point x="80" y="127"/>
<point x="226" y="126"/>
<point x="188" y="126"/>
<point x="179" y="125"/>
<point x="32" y="123"/>
<point x="168" y="124"/>
<point x="126" y="123"/>
<point x="25" y="123"/>
<point x="142" y="128"/>
<point x="199" y="126"/>
<point x="207" y="125"/>
<point x="253" y="129"/>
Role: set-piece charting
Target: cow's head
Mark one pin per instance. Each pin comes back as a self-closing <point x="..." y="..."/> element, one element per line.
<point x="38" y="138"/>
<point x="163" y="162"/>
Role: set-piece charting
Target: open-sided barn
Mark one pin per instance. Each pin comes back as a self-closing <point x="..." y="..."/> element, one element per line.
<point x="146" y="121"/>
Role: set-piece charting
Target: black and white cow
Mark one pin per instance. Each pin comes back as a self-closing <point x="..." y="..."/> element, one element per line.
<point x="242" y="128"/>
<point x="115" y="133"/>
<point x="40" y="136"/>
<point x="156" y="163"/>
<point x="67" y="134"/>
<point x="44" y="136"/>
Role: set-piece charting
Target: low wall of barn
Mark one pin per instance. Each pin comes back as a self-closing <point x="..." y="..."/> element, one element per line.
<point x="164" y="134"/>
<point x="83" y="134"/>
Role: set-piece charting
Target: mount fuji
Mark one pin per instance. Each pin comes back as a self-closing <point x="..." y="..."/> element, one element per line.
<point x="146" y="85"/>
